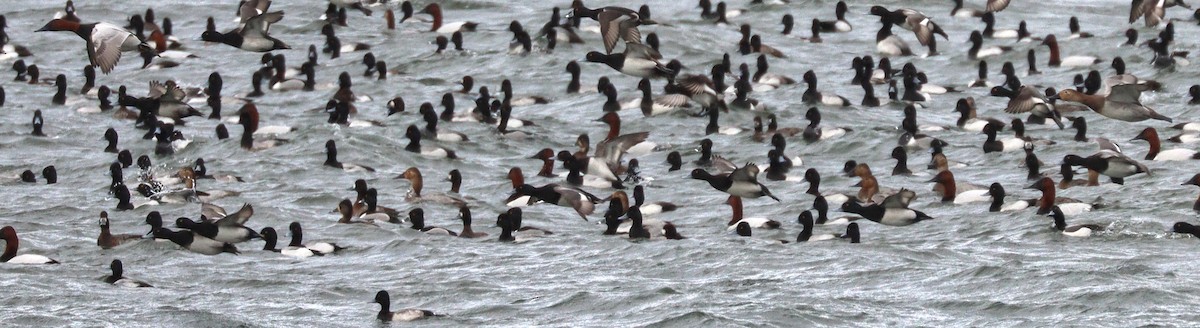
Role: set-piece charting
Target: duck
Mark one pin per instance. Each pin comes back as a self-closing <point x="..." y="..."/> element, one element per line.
<point x="431" y="130"/>
<point x="229" y="231"/>
<point x="806" y="233"/>
<point x="1153" y="11"/>
<point x="889" y="44"/>
<point x="615" y="23"/>
<point x="464" y="214"/>
<point x="1150" y="135"/>
<point x="414" y="145"/>
<point x="977" y="50"/>
<point x="1184" y="227"/>
<point x="814" y="185"/>
<point x="107" y="240"/>
<point x="413" y="175"/>
<point x="761" y="76"/>
<point x="822" y="207"/>
<point x="105" y="42"/>
<point x="1121" y="103"/>
<point x="322" y="248"/>
<point x="270" y="238"/>
<point x="997" y="192"/>
<point x="11" y="245"/>
<point x="1068" y="178"/>
<point x="201" y="172"/>
<point x="435" y="10"/>
<point x="510" y="223"/>
<point x="890" y="216"/>
<point x="583" y="202"/>
<point x="1193" y="181"/>
<point x="814" y="131"/>
<point x="1048" y="199"/>
<point x="735" y="204"/>
<point x="347" y="209"/>
<point x="700" y="89"/>
<point x="812" y="96"/>
<point x="1072" y="61"/>
<point x="968" y="121"/>
<point x="901" y="156"/>
<point x="960" y="12"/>
<point x="840" y="24"/>
<point x="1109" y="161"/>
<point x="991" y="145"/>
<point x="332" y="161"/>
<point x="915" y="21"/>
<point x="375" y="212"/>
<point x="944" y="185"/>
<point x="1028" y="100"/>
<point x="663" y="104"/>
<point x="989" y="31"/>
<point x="251" y="35"/>
<point x="188" y="239"/>
<point x="118" y="277"/>
<point x="742" y="182"/>
<point x="248" y="119"/>
<point x="417" y="217"/>
<point x="651" y="208"/>
<point x="1080" y="230"/>
<point x="386" y="314"/>
<point x="632" y="63"/>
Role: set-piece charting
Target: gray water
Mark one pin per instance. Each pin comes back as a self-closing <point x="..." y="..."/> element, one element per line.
<point x="966" y="268"/>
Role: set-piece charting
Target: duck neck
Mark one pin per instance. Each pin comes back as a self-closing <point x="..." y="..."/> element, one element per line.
<point x="297" y="239"/>
<point x="269" y="241"/>
<point x="614" y="130"/>
<point x="869" y="188"/>
<point x="10" y="249"/>
<point x="1155" y="147"/>
<point x="547" y="168"/>
<point x="997" y="202"/>
<point x="735" y="204"/>
<point x="814" y="187"/>
<point x="1046" y="201"/>
<point x="1093" y="178"/>
<point x="1055" y="61"/>
<point x="947" y="189"/>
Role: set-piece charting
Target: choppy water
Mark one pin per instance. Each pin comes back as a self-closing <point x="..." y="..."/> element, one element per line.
<point x="967" y="268"/>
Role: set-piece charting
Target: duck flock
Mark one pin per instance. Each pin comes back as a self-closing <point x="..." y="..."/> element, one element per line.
<point x="579" y="129"/>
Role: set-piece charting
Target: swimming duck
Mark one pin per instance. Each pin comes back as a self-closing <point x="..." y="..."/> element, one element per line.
<point x="105" y="42"/>
<point x="12" y="244"/>
<point x="991" y="145"/>
<point x="977" y="50"/>
<point x="322" y="248"/>
<point x="997" y="192"/>
<point x="414" y="145"/>
<point x="735" y="204"/>
<point x="890" y="212"/>
<point x="270" y="238"/>
<point x="806" y="233"/>
<point x="118" y="277"/>
<point x="107" y="240"/>
<point x="1080" y="230"/>
<point x="332" y="161"/>
<point x="413" y="175"/>
<point x="814" y="131"/>
<point x="812" y="96"/>
<point x="417" y="217"/>
<point x="227" y="231"/>
<point x="188" y="239"/>
<point x="968" y="121"/>
<point x="1072" y="61"/>
<point x="1150" y="135"/>
<point x="840" y="24"/>
<point x="1048" y="199"/>
<point x="464" y="214"/>
<point x="958" y="193"/>
<point x="386" y="315"/>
